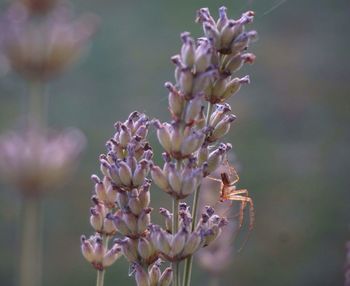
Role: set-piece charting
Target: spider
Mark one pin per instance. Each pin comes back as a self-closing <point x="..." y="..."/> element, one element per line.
<point x="228" y="192"/>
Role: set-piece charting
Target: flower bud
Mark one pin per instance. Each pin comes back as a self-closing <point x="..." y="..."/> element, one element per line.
<point x="140" y="173"/>
<point x="186" y="81"/>
<point x="163" y="134"/>
<point x="176" y="140"/>
<point x="87" y="249"/>
<point x="222" y="21"/>
<point x="144" y="248"/>
<point x="99" y="250"/>
<point x="192" y="143"/>
<point x="124" y="173"/>
<point x="192" y="244"/>
<point x="166" y="278"/>
<point x="129" y="248"/>
<point x="174" y="179"/>
<point x="226" y="34"/>
<point x="178" y="242"/>
<point x="193" y="108"/>
<point x="168" y="218"/>
<point x="111" y="197"/>
<point x="242" y="41"/>
<point x="159" y="178"/>
<point x="222" y="128"/>
<point x="122" y="199"/>
<point x="131" y="221"/>
<point x="218" y="114"/>
<point x="109" y="227"/>
<point x="114" y="175"/>
<point x="176" y="101"/>
<point x="162" y="242"/>
<point x="215" y="159"/>
<point x="233" y="86"/>
<point x="203" y="55"/>
<point x="96" y="219"/>
<point x="121" y="225"/>
<point x="144" y="220"/>
<point x="154" y="274"/>
<point x="203" y="155"/>
<point x="141" y="276"/>
<point x="104" y="167"/>
<point x="100" y="191"/>
<point x="144" y="197"/>
<point x="124" y="136"/>
<point x="112" y="255"/>
<point x="202" y="81"/>
<point x="237" y="61"/>
<point x="134" y="202"/>
<point x="187" y="50"/>
<point x="212" y="33"/>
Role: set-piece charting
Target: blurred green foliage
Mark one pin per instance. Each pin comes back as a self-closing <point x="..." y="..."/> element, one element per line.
<point x="291" y="137"/>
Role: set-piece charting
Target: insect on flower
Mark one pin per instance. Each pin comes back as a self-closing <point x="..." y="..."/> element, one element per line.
<point x="229" y="192"/>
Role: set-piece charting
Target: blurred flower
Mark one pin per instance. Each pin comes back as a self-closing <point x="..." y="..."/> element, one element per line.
<point x="39" y="6"/>
<point x="35" y="160"/>
<point x="347" y="265"/>
<point x="39" y="50"/>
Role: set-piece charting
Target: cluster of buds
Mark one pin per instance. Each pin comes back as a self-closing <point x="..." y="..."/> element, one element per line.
<point x="95" y="251"/>
<point x="35" y="161"/>
<point x="153" y="276"/>
<point x="121" y="198"/>
<point x="192" y="151"/>
<point x="176" y="246"/>
<point x="40" y="50"/>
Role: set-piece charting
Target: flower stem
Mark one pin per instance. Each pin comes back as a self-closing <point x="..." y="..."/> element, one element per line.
<point x="189" y="260"/>
<point x="101" y="273"/>
<point x="175" y="226"/>
<point x="31" y="252"/>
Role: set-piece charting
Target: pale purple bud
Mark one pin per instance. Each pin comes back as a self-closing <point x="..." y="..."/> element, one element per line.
<point x="168" y="218"/>
<point x="104" y="167"/>
<point x="131" y="221"/>
<point x="144" y="196"/>
<point x="140" y="173"/>
<point x="203" y="155"/>
<point x="176" y="101"/>
<point x="227" y="33"/>
<point x="134" y="202"/>
<point x="222" y="21"/>
<point x="99" y="250"/>
<point x="162" y="242"/>
<point x="124" y="173"/>
<point x="218" y="114"/>
<point x="141" y="276"/>
<point x="174" y="179"/>
<point x="122" y="199"/>
<point x="112" y="255"/>
<point x="124" y="136"/>
<point x="203" y="55"/>
<point x="192" y="244"/>
<point x="121" y="225"/>
<point x="202" y="82"/>
<point x="159" y="178"/>
<point x="176" y="139"/>
<point x="112" y="192"/>
<point x="212" y="33"/>
<point x="233" y="87"/>
<point x="154" y="274"/>
<point x="87" y="249"/>
<point x="100" y="191"/>
<point x="193" y="108"/>
<point x="222" y="128"/>
<point x="114" y="175"/>
<point x="242" y="41"/>
<point x="187" y="49"/>
<point x="178" y="242"/>
<point x="144" y="220"/>
<point x="109" y="227"/>
<point x="144" y="248"/>
<point x="186" y="81"/>
<point x="96" y="219"/>
<point x="192" y="143"/>
<point x="166" y="278"/>
<point x="129" y="248"/>
<point x="163" y="134"/>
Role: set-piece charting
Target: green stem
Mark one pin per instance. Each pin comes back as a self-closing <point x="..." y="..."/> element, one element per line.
<point x="31" y="252"/>
<point x="37" y="106"/>
<point x="189" y="260"/>
<point x="175" y="227"/>
<point x="101" y="273"/>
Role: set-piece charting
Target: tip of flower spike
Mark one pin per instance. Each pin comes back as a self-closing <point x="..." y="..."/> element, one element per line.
<point x="95" y="179"/>
<point x="185" y="36"/>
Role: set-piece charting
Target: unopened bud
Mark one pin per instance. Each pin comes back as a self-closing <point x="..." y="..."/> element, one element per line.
<point x="154" y="274"/>
<point x="141" y="276"/>
<point x="159" y="178"/>
<point x="144" y="220"/>
<point x="192" y="244"/>
<point x="222" y="128"/>
<point x="124" y="173"/>
<point x="166" y="278"/>
<point x="178" y="242"/>
<point x="174" y="179"/>
<point x="186" y="81"/>
<point x="163" y="134"/>
<point x="193" y="108"/>
<point x="187" y="50"/>
<point x="121" y="225"/>
<point x="112" y="255"/>
<point x="144" y="248"/>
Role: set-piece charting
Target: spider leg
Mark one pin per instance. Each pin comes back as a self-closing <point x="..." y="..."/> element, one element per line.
<point x="244" y="200"/>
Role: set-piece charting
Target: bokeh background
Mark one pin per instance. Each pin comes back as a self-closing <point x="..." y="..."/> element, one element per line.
<point x="291" y="138"/>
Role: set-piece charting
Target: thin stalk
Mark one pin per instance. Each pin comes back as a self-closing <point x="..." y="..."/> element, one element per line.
<point x="101" y="273"/>
<point x="37" y="105"/>
<point x="175" y="227"/>
<point x="31" y="252"/>
<point x="189" y="260"/>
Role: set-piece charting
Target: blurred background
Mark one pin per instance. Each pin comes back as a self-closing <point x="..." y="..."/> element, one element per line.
<point x="291" y="137"/>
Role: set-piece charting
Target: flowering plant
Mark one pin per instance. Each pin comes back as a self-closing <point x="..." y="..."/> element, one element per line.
<point x="204" y="75"/>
